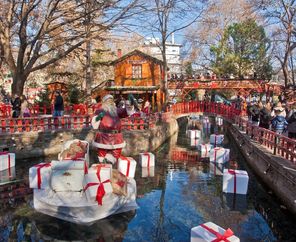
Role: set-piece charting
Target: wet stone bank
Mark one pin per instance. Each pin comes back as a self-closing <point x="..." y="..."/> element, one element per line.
<point x="175" y="196"/>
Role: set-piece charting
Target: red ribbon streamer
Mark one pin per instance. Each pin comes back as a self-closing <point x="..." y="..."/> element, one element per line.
<point x="220" y="237"/>
<point x="39" y="167"/>
<point x="100" y="191"/>
<point x="232" y="172"/>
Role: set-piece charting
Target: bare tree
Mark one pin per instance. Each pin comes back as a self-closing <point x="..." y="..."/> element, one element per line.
<point x="38" y="33"/>
<point x="281" y="15"/>
<point x="166" y="17"/>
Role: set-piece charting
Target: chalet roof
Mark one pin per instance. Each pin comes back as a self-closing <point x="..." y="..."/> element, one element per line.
<point x="137" y="52"/>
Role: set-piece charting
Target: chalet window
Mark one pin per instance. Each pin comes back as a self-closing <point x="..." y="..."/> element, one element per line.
<point x="137" y="71"/>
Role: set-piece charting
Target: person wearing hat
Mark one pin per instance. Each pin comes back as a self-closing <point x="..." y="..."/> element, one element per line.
<point x="279" y="123"/>
<point x="108" y="137"/>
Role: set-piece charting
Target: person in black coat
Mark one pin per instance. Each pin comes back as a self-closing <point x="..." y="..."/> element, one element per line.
<point x="16" y="106"/>
<point x="58" y="105"/>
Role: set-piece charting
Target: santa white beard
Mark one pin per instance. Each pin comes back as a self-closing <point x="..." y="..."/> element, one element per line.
<point x="110" y="108"/>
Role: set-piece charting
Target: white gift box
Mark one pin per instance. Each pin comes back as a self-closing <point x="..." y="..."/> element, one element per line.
<point x="235" y="181"/>
<point x="217" y="155"/>
<point x="68" y="144"/>
<point x="204" y="149"/>
<point x="216" y="168"/>
<point x="219" y="121"/>
<point x="7" y="175"/>
<point x="127" y="166"/>
<point x="147" y="159"/>
<point x="194" y="142"/>
<point x="68" y="175"/>
<point x="93" y="187"/>
<point x="210" y="232"/>
<point x="192" y="134"/>
<point x="216" y="139"/>
<point x="39" y="176"/>
<point x="104" y="171"/>
<point x="7" y="160"/>
<point x="206" y="124"/>
<point x="148" y="171"/>
<point x="226" y="154"/>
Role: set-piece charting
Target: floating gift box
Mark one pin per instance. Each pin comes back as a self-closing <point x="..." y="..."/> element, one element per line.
<point x="235" y="202"/>
<point x="217" y="155"/>
<point x="204" y="149"/>
<point x="193" y="134"/>
<point x="94" y="188"/>
<point x="127" y="166"/>
<point x="216" y="139"/>
<point x="7" y="160"/>
<point x="39" y="176"/>
<point x="217" y="168"/>
<point x="119" y="183"/>
<point x="147" y="159"/>
<point x="7" y="175"/>
<point x="212" y="232"/>
<point x="194" y="142"/>
<point x="219" y="121"/>
<point x="206" y="124"/>
<point x="235" y="181"/>
<point x="104" y="171"/>
<point x="148" y="171"/>
<point x="68" y="175"/>
<point x="74" y="150"/>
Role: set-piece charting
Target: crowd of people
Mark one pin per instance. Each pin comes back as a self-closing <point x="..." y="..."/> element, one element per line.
<point x="279" y="117"/>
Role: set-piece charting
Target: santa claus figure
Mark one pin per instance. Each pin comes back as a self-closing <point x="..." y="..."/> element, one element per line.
<point x="108" y="138"/>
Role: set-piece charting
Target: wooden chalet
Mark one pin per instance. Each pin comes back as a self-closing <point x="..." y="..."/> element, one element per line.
<point x="139" y="74"/>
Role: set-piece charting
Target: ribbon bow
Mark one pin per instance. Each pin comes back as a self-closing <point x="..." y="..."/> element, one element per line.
<point x="220" y="237"/>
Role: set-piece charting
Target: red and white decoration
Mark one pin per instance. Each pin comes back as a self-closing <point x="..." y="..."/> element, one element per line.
<point x="216" y="139"/>
<point x="97" y="183"/>
<point x="212" y="232"/>
<point x="235" y="181"/>
<point x="39" y="176"/>
<point x="81" y="156"/>
<point x="219" y="121"/>
<point x="194" y="134"/>
<point x="127" y="166"/>
<point x="217" y="155"/>
<point x="147" y="159"/>
<point x="68" y="175"/>
<point x="104" y="171"/>
<point x="148" y="171"/>
<point x="7" y="160"/>
<point x="194" y="142"/>
<point x="205" y="149"/>
<point x="206" y="124"/>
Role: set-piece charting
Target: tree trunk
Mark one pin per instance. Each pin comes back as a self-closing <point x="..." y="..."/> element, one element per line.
<point x="18" y="83"/>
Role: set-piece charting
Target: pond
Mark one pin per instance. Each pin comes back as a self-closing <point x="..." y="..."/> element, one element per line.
<point x="181" y="192"/>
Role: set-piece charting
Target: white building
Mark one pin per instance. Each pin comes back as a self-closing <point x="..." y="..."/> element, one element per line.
<point x="152" y="46"/>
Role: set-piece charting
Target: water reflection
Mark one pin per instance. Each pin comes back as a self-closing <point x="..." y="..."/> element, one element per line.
<point x="180" y="192"/>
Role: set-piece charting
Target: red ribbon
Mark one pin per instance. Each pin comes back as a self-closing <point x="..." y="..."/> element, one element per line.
<point x="220" y="237"/>
<point x="39" y="167"/>
<point x="215" y="139"/>
<point x="215" y="155"/>
<point x="148" y="155"/>
<point x="100" y="191"/>
<point x="206" y="147"/>
<point x="128" y="164"/>
<point x="232" y="172"/>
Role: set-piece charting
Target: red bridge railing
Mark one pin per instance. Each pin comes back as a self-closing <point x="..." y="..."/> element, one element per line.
<point x="278" y="144"/>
